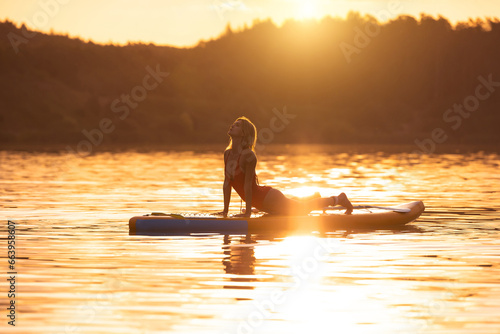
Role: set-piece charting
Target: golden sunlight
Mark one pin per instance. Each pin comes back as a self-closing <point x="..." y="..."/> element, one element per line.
<point x="304" y="192"/>
<point x="307" y="9"/>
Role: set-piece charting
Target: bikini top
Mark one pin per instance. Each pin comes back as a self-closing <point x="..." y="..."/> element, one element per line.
<point x="237" y="180"/>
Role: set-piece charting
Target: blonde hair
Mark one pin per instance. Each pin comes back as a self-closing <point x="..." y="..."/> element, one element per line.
<point x="249" y="134"/>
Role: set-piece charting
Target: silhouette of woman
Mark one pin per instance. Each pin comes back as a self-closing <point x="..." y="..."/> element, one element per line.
<point x="239" y="173"/>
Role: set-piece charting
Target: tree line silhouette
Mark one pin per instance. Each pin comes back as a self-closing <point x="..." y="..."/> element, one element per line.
<point x="351" y="80"/>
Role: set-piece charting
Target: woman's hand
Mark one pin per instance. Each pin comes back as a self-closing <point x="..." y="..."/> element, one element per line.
<point x="222" y="213"/>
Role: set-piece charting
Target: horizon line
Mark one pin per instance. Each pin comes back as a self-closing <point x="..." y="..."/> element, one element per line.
<point x="471" y="22"/>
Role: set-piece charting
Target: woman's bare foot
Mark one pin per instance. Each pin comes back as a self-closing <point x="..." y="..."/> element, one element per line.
<point x="342" y="200"/>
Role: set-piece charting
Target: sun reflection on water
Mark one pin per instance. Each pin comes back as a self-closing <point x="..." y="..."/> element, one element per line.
<point x="82" y="270"/>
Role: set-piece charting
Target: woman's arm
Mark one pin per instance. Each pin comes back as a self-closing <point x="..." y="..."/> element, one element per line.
<point x="226" y="187"/>
<point x="250" y="163"/>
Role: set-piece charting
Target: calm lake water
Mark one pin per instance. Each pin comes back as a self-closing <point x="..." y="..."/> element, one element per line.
<point x="79" y="270"/>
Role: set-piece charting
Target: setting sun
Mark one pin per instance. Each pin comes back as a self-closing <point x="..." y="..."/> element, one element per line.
<point x="307" y="9"/>
<point x="181" y="23"/>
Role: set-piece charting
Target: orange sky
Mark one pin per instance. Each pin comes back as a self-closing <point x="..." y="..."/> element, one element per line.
<point x="185" y="22"/>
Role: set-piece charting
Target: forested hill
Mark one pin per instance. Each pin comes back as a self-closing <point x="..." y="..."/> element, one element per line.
<point x="338" y="81"/>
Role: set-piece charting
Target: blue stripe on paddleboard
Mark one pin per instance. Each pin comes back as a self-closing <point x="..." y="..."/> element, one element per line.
<point x="192" y="225"/>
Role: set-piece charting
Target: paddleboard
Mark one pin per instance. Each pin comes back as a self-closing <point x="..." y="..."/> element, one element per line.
<point x="372" y="218"/>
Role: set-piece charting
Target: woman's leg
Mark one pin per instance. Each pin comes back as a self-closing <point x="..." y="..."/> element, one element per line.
<point x="277" y="203"/>
<point x="342" y="200"/>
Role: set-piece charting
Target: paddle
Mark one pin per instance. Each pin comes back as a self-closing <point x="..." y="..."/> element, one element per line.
<point x="370" y="207"/>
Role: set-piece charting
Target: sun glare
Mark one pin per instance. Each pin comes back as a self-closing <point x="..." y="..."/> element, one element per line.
<point x="302" y="192"/>
<point x="307" y="9"/>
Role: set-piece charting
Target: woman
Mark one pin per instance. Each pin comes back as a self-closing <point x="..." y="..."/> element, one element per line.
<point x="239" y="173"/>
